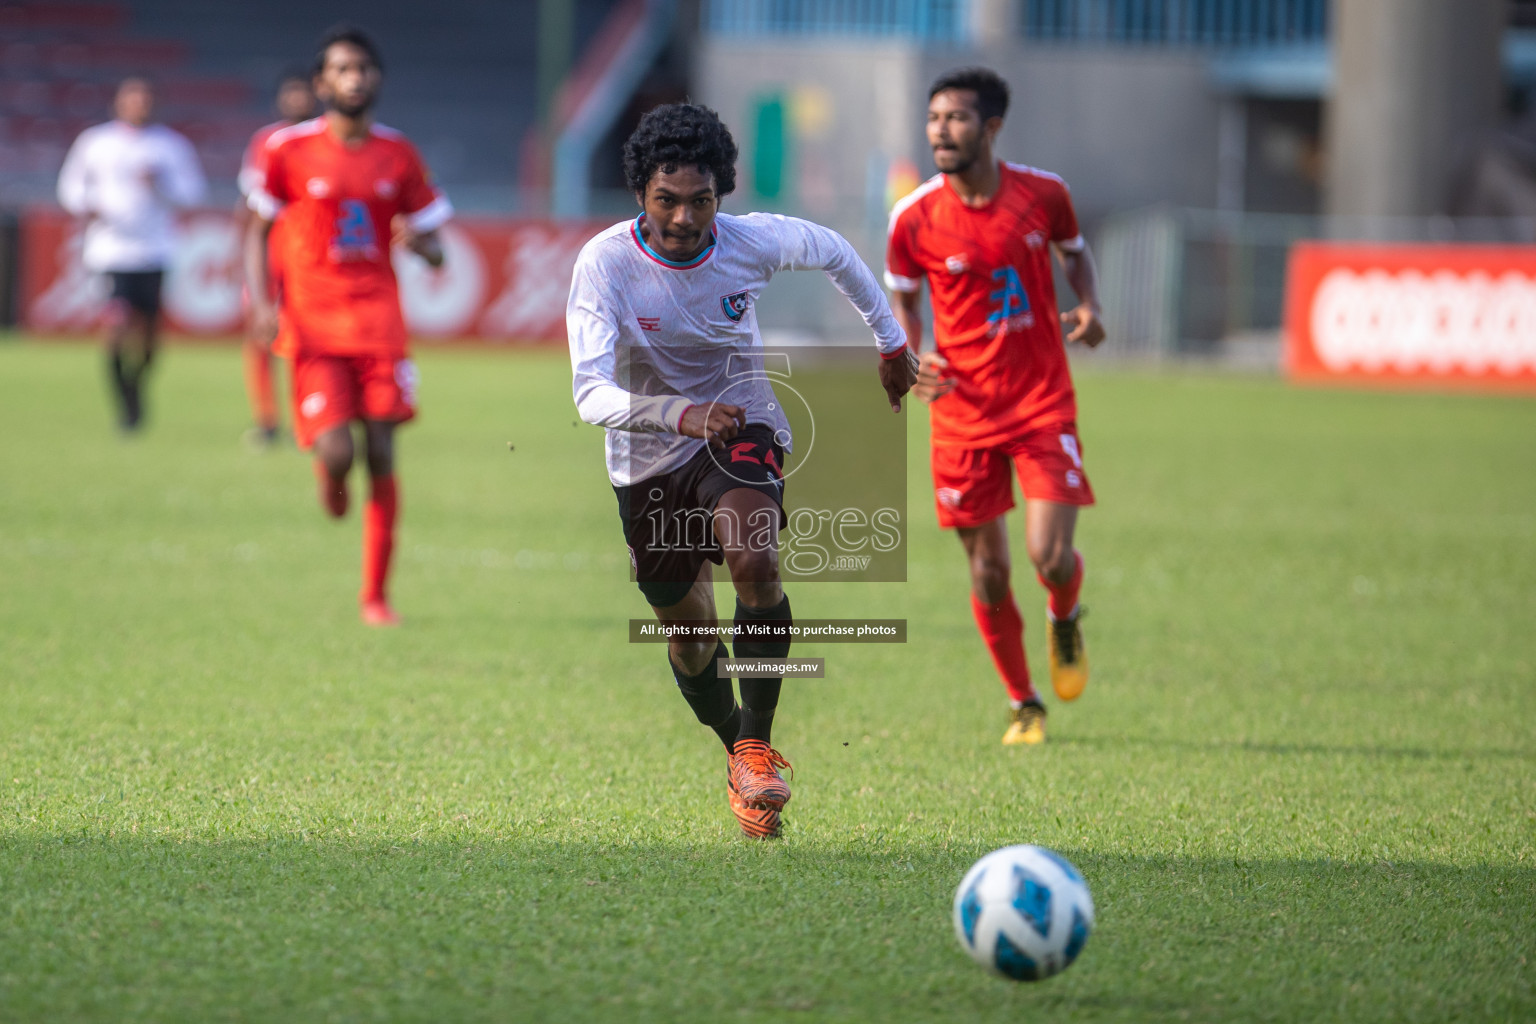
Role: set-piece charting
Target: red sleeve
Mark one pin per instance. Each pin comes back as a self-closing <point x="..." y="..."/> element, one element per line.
<point x="426" y="208"/>
<point x="1063" y="218"/>
<point x="902" y="272"/>
<point x="416" y="189"/>
<point x="274" y="172"/>
<point x="253" y="164"/>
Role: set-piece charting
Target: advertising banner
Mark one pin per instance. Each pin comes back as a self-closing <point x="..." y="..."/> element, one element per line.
<point x="503" y="281"/>
<point x="1412" y="315"/>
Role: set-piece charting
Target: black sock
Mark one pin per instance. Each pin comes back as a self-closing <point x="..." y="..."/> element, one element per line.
<point x="133" y="378"/>
<point x="133" y="402"/>
<point x="712" y="699"/>
<point x="117" y="373"/>
<point x="760" y="697"/>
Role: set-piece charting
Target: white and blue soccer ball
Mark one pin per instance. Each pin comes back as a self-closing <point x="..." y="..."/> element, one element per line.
<point x="1023" y="912"/>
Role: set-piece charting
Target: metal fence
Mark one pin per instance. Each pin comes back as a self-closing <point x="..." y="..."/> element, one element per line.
<point x="1183" y="282"/>
<point x="923" y="20"/>
<point x="1205" y="23"/>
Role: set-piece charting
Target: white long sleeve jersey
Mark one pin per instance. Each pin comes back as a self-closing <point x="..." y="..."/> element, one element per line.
<point x="649" y="337"/>
<point x="129" y="181"/>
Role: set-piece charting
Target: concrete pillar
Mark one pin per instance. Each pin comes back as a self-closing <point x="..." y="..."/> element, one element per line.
<point x="1232" y="154"/>
<point x="1416" y="89"/>
<point x="994" y="23"/>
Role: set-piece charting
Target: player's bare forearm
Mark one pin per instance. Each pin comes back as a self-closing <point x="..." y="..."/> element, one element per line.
<point x="1082" y="275"/>
<point x="906" y="310"/>
<point x="263" y="325"/>
<point x="1085" y="320"/>
<point x="930" y="379"/>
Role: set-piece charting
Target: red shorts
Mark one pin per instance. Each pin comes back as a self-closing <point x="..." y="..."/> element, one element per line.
<point x="331" y="390"/>
<point x="971" y="485"/>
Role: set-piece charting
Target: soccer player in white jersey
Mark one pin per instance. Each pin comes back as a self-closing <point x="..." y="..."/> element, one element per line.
<point x="661" y="322"/>
<point x="127" y="178"/>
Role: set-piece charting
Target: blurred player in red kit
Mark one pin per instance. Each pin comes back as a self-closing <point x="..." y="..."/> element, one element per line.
<point x="295" y="103"/>
<point x="347" y="189"/>
<point x="981" y="233"/>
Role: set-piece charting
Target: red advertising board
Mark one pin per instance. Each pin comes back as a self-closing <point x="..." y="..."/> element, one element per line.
<point x="1412" y="315"/>
<point x="503" y="281"/>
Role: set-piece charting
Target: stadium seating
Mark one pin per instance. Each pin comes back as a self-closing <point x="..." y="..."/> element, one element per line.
<point x="467" y="97"/>
<point x="59" y="65"/>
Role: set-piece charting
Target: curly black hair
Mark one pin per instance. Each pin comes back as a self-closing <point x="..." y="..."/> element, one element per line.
<point x="990" y="89"/>
<point x="680" y="135"/>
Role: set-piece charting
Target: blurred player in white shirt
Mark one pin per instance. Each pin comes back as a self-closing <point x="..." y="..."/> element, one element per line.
<point x="127" y="178"/>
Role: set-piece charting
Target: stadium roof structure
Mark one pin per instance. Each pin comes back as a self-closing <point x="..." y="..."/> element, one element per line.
<point x="1305" y="71"/>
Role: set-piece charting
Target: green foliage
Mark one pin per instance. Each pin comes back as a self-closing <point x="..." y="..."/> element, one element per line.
<point x="1300" y="784"/>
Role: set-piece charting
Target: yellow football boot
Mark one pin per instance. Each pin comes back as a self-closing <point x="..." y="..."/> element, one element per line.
<point x="1068" y="657"/>
<point x="1028" y="725"/>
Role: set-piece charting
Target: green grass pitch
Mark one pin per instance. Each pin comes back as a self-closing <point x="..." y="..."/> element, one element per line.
<point x="1302" y="783"/>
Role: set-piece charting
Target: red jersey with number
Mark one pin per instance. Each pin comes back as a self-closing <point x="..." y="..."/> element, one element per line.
<point x="338" y="203"/>
<point x="994" y="301"/>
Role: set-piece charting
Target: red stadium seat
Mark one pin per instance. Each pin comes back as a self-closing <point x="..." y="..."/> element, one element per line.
<point x="73" y="18"/>
<point x="204" y="92"/>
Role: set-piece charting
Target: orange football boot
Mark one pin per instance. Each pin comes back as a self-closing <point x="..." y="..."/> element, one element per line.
<point x="755" y="823"/>
<point x="754" y="767"/>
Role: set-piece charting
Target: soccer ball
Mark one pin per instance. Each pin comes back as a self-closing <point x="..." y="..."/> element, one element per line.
<point x="1024" y="912"/>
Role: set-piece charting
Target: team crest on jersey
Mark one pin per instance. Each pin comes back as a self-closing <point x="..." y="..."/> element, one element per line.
<point x="385" y="188"/>
<point x="1035" y="240"/>
<point x="958" y="264"/>
<point x="735" y="306"/>
<point x="318" y="187"/>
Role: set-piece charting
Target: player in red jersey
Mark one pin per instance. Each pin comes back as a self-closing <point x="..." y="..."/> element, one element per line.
<point x="346" y="187"/>
<point x="1000" y="395"/>
<point x="295" y="103"/>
